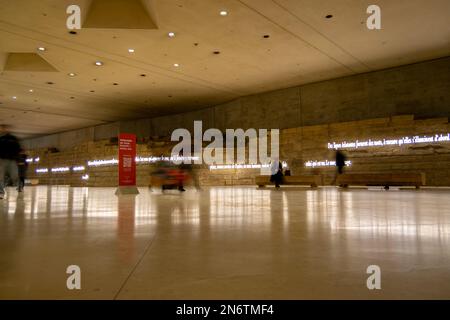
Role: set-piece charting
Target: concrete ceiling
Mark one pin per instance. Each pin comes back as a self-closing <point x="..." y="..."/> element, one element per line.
<point x="303" y="46"/>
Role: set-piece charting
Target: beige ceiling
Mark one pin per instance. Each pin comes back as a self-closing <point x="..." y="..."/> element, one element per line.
<point x="303" y="47"/>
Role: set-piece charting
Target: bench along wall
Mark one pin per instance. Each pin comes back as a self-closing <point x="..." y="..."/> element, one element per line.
<point x="300" y="145"/>
<point x="297" y="146"/>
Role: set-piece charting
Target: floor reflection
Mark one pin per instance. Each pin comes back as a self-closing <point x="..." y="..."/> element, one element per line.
<point x="126" y="216"/>
<point x="399" y="214"/>
<point x="289" y="233"/>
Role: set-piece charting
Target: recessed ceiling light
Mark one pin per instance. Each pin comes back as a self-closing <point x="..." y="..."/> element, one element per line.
<point x="31" y="90"/>
<point x="131" y="50"/>
<point x="266" y="36"/>
<point x="98" y="63"/>
<point x="143" y="75"/>
<point x="14" y="97"/>
<point x="176" y="65"/>
<point x="171" y="34"/>
<point x="329" y="16"/>
<point x="71" y="74"/>
<point x="115" y="84"/>
<point x="49" y="82"/>
<point x="223" y="13"/>
<point x="41" y="49"/>
<point x="72" y="32"/>
<point x="216" y="52"/>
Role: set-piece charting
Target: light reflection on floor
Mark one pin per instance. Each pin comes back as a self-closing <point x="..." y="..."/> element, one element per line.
<point x="225" y="243"/>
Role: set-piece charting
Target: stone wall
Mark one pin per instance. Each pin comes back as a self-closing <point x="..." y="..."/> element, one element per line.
<point x="420" y="89"/>
<point x="297" y="146"/>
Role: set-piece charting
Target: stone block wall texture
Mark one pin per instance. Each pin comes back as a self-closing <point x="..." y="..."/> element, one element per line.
<point x="407" y="100"/>
<point x="421" y="89"/>
<point x="297" y="146"/>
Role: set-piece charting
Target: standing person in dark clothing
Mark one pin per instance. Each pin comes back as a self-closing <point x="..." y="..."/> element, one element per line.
<point x="340" y="161"/>
<point x="9" y="153"/>
<point x="340" y="164"/>
<point x="276" y="169"/>
<point x="22" y="165"/>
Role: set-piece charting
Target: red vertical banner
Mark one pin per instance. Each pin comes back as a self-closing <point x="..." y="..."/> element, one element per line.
<point x="127" y="159"/>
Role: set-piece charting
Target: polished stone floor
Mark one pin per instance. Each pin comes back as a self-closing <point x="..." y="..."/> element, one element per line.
<point x="225" y="243"/>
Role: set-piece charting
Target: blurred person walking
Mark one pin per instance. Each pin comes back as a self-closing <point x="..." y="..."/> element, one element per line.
<point x="340" y="164"/>
<point x="9" y="154"/>
<point x="191" y="174"/>
<point x="287" y="169"/>
<point x="22" y="166"/>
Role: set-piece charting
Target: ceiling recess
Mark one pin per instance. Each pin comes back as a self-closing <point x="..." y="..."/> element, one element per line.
<point x="31" y="62"/>
<point x="119" y="14"/>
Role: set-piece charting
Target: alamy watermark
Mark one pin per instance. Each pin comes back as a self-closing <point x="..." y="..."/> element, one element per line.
<point x="74" y="280"/>
<point x="374" y="20"/>
<point x="374" y="280"/>
<point x="74" y="19"/>
<point x="233" y="142"/>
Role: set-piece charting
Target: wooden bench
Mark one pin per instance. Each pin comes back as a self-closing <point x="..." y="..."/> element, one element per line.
<point x="381" y="179"/>
<point x="311" y="180"/>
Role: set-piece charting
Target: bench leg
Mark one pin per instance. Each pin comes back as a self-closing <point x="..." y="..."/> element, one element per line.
<point x="386" y="187"/>
<point x="313" y="185"/>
